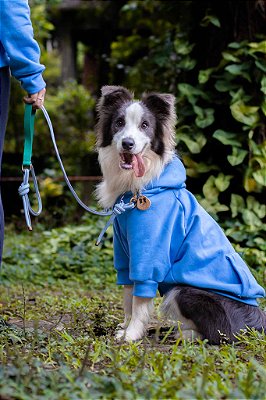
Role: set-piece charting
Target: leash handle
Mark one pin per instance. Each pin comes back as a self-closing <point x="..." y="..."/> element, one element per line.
<point x="29" y="119"/>
<point x="27" y="167"/>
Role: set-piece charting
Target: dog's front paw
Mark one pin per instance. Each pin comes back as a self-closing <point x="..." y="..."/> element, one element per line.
<point x="133" y="335"/>
<point x="128" y="335"/>
<point x="120" y="334"/>
<point x="123" y="325"/>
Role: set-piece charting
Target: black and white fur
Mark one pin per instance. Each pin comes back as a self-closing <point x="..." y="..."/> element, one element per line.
<point x="146" y="129"/>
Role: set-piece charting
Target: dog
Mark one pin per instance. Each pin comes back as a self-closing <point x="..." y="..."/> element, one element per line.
<point x="167" y="242"/>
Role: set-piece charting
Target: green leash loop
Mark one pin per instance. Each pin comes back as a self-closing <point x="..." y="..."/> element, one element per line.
<point x="27" y="168"/>
<point x="29" y="118"/>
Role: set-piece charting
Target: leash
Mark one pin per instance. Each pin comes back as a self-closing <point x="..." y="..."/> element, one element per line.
<point x="27" y="168"/>
<point x="119" y="208"/>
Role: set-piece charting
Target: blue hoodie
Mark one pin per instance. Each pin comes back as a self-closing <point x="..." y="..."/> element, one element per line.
<point x="18" y="49"/>
<point x="176" y="241"/>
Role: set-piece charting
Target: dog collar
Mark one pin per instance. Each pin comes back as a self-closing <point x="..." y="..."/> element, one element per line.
<point x="138" y="200"/>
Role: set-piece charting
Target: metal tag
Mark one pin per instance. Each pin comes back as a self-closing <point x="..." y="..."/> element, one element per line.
<point x="143" y="203"/>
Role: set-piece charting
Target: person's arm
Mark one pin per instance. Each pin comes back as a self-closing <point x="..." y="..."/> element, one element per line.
<point x="16" y="35"/>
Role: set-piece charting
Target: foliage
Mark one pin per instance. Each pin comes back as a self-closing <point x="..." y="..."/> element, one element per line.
<point x="62" y="253"/>
<point x="235" y="91"/>
<point x="61" y="300"/>
<point x="71" y="112"/>
<point x="63" y="307"/>
<point x="156" y="51"/>
<point x="221" y="110"/>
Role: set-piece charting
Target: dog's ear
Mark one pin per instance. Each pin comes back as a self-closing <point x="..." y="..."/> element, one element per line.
<point x="113" y="96"/>
<point x="161" y="105"/>
<point x="163" y="108"/>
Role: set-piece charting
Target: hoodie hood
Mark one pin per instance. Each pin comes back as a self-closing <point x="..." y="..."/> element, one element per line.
<point x="172" y="177"/>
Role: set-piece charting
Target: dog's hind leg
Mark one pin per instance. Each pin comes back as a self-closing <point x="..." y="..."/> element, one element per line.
<point x="217" y="317"/>
<point x="186" y="329"/>
<point x="142" y="308"/>
<point x="204" y="309"/>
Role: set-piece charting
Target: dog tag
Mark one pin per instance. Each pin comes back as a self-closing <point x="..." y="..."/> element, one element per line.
<point x="143" y="203"/>
<point x="134" y="199"/>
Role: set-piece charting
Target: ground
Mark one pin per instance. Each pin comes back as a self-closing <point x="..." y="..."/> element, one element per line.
<point x="60" y="300"/>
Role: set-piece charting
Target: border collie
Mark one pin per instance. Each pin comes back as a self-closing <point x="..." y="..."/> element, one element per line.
<point x="167" y="242"/>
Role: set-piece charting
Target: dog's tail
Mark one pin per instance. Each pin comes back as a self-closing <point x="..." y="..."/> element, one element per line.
<point x="216" y="318"/>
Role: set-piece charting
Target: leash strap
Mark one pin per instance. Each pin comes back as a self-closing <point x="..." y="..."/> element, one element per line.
<point x="104" y="213"/>
<point x="23" y="191"/>
<point x="29" y="118"/>
<point x="27" y="168"/>
<point x="118" y="209"/>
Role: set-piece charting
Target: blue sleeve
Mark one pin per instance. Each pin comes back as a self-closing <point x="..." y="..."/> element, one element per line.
<point x="16" y="36"/>
<point x="121" y="260"/>
<point x="154" y="237"/>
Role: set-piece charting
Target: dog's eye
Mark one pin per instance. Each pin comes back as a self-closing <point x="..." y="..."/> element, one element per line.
<point x="119" y="122"/>
<point x="144" y="125"/>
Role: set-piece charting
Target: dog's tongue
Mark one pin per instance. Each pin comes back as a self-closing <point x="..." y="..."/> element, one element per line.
<point x="138" y="165"/>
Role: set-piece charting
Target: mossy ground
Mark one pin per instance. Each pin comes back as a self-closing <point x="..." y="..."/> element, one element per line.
<point x="60" y="299"/>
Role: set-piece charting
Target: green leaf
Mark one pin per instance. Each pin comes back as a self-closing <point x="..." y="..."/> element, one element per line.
<point x="237" y="156"/>
<point x="222" y="182"/>
<point x="239" y="69"/>
<point x="261" y="65"/>
<point x="186" y="63"/>
<point x="229" y="57"/>
<point x="213" y="207"/>
<point x="237" y="205"/>
<point x="210" y="190"/>
<point x="247" y="115"/>
<point x="183" y="48"/>
<point x="256" y="207"/>
<point x="194" y="169"/>
<point x="227" y="138"/>
<point x="263" y="107"/>
<point x="250" y="218"/>
<point x="210" y="19"/>
<point x="191" y="93"/>
<point x="236" y="45"/>
<point x="258" y="47"/>
<point x="260" y="176"/>
<point x="205" y="74"/>
<point x="205" y="116"/>
<point x="194" y="142"/>
<point x="225" y="85"/>
<point x="239" y="95"/>
<point x="263" y="85"/>
<point x="250" y="184"/>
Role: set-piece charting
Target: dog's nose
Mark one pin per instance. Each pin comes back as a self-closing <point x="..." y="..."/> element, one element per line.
<point x="128" y="143"/>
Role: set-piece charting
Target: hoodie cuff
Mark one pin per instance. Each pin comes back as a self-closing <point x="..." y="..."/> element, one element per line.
<point x="33" y="84"/>
<point x="145" y="289"/>
<point x="123" y="277"/>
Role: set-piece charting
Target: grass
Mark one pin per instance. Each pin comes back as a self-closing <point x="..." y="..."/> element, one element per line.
<point x="63" y="306"/>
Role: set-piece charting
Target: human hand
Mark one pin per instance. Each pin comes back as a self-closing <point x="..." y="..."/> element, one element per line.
<point x="36" y="99"/>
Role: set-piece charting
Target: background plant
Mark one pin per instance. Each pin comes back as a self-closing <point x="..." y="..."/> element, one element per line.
<point x="221" y="109"/>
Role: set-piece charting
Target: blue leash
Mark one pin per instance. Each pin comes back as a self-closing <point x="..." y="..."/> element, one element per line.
<point x="23" y="191"/>
<point x="28" y="169"/>
<point x="119" y="208"/>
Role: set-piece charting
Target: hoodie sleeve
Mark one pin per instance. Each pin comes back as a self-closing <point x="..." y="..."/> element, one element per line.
<point x="121" y="259"/>
<point x="16" y="36"/>
<point x="154" y="238"/>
